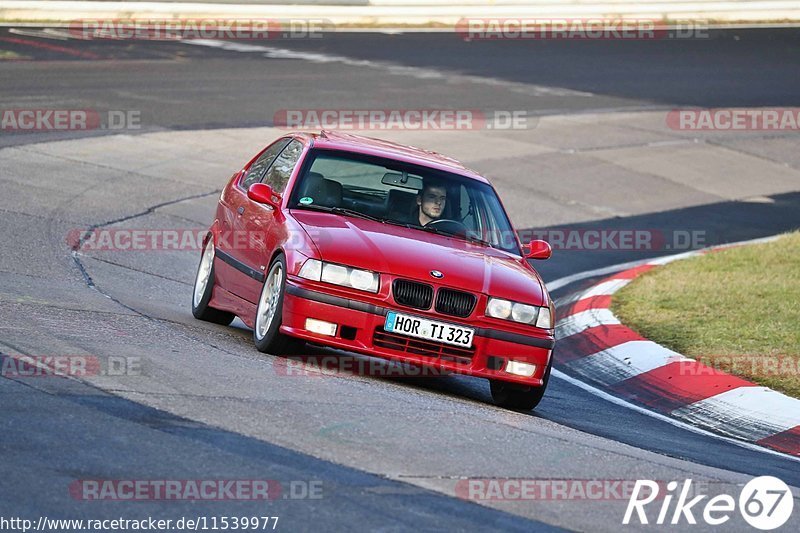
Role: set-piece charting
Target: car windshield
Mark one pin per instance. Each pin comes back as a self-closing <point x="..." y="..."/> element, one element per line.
<point x="394" y="192"/>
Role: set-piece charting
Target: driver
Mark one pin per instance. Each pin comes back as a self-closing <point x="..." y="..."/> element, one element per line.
<point x="431" y="200"/>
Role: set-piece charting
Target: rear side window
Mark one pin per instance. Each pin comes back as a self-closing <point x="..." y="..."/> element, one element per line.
<point x="259" y="168"/>
<point x="280" y="171"/>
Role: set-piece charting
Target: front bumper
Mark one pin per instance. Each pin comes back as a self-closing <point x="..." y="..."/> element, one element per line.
<point x="360" y="329"/>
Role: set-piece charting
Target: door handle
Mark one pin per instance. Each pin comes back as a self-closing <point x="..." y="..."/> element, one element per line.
<point x="240" y="210"/>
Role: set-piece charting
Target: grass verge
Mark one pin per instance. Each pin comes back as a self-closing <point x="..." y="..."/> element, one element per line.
<point x="737" y="310"/>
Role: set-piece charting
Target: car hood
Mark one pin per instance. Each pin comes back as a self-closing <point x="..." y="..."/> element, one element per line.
<point x="412" y="254"/>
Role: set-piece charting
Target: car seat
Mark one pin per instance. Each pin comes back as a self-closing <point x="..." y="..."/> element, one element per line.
<point x="321" y="190"/>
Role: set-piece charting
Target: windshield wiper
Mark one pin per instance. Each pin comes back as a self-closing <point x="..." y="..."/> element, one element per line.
<point x="437" y="231"/>
<point x="430" y="229"/>
<point x="469" y="238"/>
<point x="354" y="213"/>
<point x="434" y="229"/>
<point x="398" y="223"/>
<point x="339" y="211"/>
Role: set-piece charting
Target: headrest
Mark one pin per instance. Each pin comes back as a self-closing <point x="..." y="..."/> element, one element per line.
<point x="321" y="190"/>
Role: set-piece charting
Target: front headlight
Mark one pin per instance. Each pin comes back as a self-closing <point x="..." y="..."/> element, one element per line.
<point x="336" y="274"/>
<point x="524" y="313"/>
<point x="498" y="308"/>
<point x="519" y="312"/>
<point x="363" y="280"/>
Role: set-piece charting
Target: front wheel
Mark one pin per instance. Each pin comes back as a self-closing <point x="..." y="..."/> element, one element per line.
<point x="269" y="313"/>
<point x="518" y="397"/>
<point x="203" y="287"/>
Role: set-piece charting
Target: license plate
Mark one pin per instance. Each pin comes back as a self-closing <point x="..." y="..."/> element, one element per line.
<point x="423" y="328"/>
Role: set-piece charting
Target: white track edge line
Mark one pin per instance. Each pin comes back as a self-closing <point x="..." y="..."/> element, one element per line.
<point x="561" y="282"/>
<point x="664" y="418"/>
<point x="566" y="280"/>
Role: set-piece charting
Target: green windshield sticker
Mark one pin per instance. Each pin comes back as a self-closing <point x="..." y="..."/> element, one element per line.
<point x="305" y="200"/>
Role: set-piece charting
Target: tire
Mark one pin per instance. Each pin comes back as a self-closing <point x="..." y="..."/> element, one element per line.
<point x="519" y="397"/>
<point x="203" y="287"/>
<point x="269" y="312"/>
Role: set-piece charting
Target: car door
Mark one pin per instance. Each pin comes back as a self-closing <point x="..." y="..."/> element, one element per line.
<point x="241" y="277"/>
<point x="258" y="222"/>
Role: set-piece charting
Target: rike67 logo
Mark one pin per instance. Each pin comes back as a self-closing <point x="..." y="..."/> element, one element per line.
<point x="765" y="503"/>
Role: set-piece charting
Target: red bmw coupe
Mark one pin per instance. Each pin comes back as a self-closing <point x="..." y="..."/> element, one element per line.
<point x="382" y="249"/>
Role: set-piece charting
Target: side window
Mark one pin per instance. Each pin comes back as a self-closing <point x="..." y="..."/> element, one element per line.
<point x="261" y="164"/>
<point x="280" y="171"/>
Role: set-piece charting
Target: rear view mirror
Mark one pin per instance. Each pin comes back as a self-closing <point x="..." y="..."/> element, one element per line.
<point x="539" y="249"/>
<point x="402" y="179"/>
<point x="263" y="194"/>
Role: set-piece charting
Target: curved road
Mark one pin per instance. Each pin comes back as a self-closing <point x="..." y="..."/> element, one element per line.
<point x="198" y="402"/>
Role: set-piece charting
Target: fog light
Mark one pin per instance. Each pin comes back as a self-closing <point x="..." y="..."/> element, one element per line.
<point x="520" y="369"/>
<point x="318" y="326"/>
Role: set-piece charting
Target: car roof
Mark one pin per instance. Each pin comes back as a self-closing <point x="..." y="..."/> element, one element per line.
<point x="336" y="140"/>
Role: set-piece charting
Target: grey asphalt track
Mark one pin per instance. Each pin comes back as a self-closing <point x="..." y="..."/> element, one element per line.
<point x="189" y="87"/>
<point x="208" y="406"/>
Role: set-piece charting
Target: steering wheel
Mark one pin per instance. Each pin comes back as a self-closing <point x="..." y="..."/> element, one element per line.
<point x="447" y="225"/>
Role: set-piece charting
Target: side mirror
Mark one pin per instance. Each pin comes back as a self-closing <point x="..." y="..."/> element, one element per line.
<point x="539" y="250"/>
<point x="263" y="194"/>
